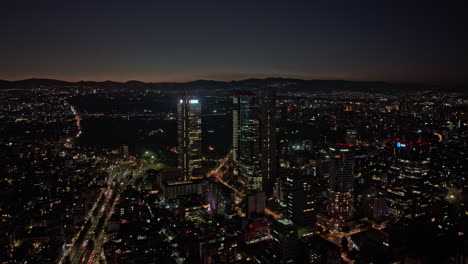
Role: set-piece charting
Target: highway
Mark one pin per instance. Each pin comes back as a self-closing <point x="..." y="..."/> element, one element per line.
<point x="87" y="241"/>
<point x="100" y="233"/>
<point x="90" y="236"/>
<point x="78" y="120"/>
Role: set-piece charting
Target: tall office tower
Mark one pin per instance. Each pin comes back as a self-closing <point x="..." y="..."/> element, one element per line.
<point x="285" y="241"/>
<point x="246" y="140"/>
<point x="189" y="133"/>
<point x="235" y="127"/>
<point x="300" y="199"/>
<point x="269" y="150"/>
<point x="341" y="182"/>
<point x="411" y="188"/>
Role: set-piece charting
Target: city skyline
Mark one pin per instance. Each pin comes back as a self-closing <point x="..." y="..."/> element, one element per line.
<point x="186" y="132"/>
<point x="263" y="172"/>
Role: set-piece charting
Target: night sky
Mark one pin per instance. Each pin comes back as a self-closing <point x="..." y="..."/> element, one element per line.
<point x="230" y="40"/>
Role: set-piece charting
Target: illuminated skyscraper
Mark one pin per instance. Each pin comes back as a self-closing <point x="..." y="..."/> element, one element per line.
<point x="235" y="127"/>
<point x="189" y="133"/>
<point x="300" y="199"/>
<point x="246" y="140"/>
<point x="411" y="191"/>
<point x="268" y="137"/>
<point x="341" y="182"/>
<point x="285" y="242"/>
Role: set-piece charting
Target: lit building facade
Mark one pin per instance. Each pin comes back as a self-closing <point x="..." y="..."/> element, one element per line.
<point x="300" y="199"/>
<point x="411" y="192"/>
<point x="341" y="182"/>
<point x="189" y="135"/>
<point x="269" y="162"/>
<point x="172" y="189"/>
<point x="246" y="140"/>
<point x="257" y="230"/>
<point x="220" y="197"/>
<point x="285" y="241"/>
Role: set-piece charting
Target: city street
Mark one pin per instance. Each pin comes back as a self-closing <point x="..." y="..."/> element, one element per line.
<point x="90" y="236"/>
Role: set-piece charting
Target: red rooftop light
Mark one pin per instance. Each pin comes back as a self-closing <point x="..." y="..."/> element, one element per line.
<point x="343" y="144"/>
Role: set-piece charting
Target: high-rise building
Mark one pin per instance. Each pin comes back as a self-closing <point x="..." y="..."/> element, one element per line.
<point x="300" y="199"/>
<point x="268" y="135"/>
<point x="220" y="197"/>
<point x="256" y="204"/>
<point x="189" y="133"/>
<point x="411" y="192"/>
<point x="235" y="127"/>
<point x="246" y="140"/>
<point x="375" y="206"/>
<point x="285" y="241"/>
<point x="341" y="183"/>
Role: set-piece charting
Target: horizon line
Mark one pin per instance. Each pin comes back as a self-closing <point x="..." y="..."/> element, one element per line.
<point x="238" y="80"/>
